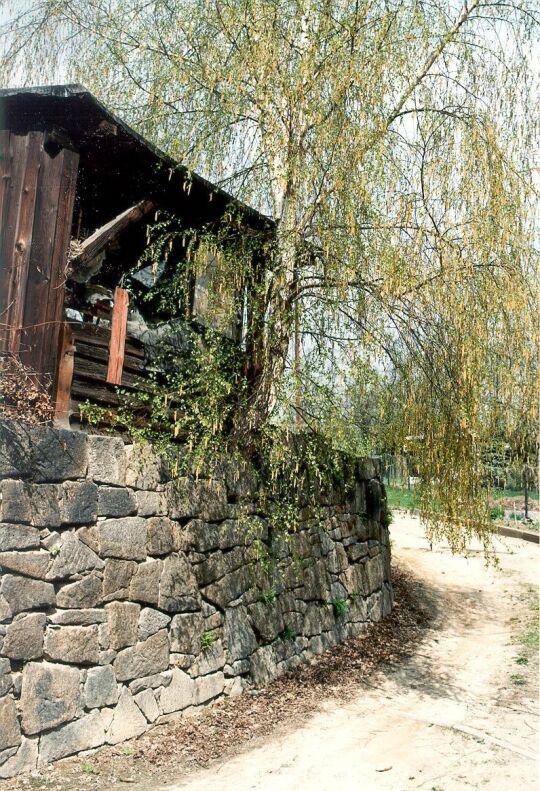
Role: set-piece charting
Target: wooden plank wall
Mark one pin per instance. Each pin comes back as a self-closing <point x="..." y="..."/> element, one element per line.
<point x="91" y="343"/>
<point x="37" y="194"/>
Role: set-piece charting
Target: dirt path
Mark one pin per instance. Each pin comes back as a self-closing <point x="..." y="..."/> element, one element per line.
<point x="460" y="714"/>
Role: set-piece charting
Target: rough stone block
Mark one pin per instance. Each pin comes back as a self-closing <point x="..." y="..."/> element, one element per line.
<point x="178" y="590"/>
<point x="228" y="589"/>
<point x="22" y="593"/>
<point x="213" y="619"/>
<point x="123" y="621"/>
<point x="267" y="620"/>
<point x="203" y="537"/>
<point x="123" y="538"/>
<point x="100" y="688"/>
<point x="388" y="599"/>
<point x="151" y="503"/>
<point x="209" y="660"/>
<point x="73" y="557"/>
<point x="203" y="498"/>
<point x="318" y="618"/>
<point x="24" y="637"/>
<point x="29" y="564"/>
<point x="79" y="502"/>
<point x="264" y="667"/>
<point x="107" y="460"/>
<point x="114" y="501"/>
<point x="143" y="659"/>
<point x="50" y="696"/>
<point x="146" y="701"/>
<point x="78" y="617"/>
<point x="357" y="550"/>
<point x="10" y="732"/>
<point x="24" y="760"/>
<point x="359" y="609"/>
<point x="18" y="537"/>
<point x="6" y="680"/>
<point x="360" y="506"/>
<point x="82" y="594"/>
<point x="316" y="585"/>
<point x="117" y="578"/>
<point x="83" y="734"/>
<point x="233" y="687"/>
<point x="8" y="753"/>
<point x="58" y="454"/>
<point x="151" y="682"/>
<point x="144" y="468"/>
<point x="337" y="561"/>
<point x="5" y="610"/>
<point x="238" y="668"/>
<point x="128" y="720"/>
<point x="316" y="645"/>
<point x="352" y="579"/>
<point x="238" y="635"/>
<point x="373" y="574"/>
<point x="375" y="606"/>
<point x="163" y="536"/>
<point x="15" y="444"/>
<point x="185" y="633"/>
<point x="240" y="479"/>
<point x="45" y="501"/>
<point x="144" y="586"/>
<point x="15" y="502"/>
<point x="89" y="536"/>
<point x="180" y="693"/>
<point x="77" y="645"/>
<point x="209" y="687"/>
<point x="337" y="591"/>
<point x="218" y="564"/>
<point x="150" y="622"/>
<point x="374" y="548"/>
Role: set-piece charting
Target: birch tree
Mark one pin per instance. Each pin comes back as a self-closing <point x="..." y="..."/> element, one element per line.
<point x="392" y="142"/>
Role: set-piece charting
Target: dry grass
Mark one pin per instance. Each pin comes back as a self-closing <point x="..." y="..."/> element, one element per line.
<point x="22" y="396"/>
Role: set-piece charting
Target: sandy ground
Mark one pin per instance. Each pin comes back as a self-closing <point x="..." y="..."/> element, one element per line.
<point x="460" y="714"/>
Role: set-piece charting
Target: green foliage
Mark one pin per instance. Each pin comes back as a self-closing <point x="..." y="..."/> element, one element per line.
<point x="402" y="498"/>
<point x="340" y="607"/>
<point x="496" y="512"/>
<point x="386" y="515"/>
<point x="207" y="640"/>
<point x="500" y="494"/>
<point x="287" y="634"/>
<point x="268" y="596"/>
<point x="89" y="769"/>
<point x="518" y="679"/>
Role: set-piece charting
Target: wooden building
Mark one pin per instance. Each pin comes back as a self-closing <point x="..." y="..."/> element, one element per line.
<point x="79" y="188"/>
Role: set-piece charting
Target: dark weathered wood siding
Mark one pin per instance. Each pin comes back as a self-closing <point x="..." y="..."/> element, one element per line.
<point x="37" y="194"/>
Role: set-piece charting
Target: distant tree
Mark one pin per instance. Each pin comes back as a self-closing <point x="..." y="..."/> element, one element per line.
<point x="392" y="142"/>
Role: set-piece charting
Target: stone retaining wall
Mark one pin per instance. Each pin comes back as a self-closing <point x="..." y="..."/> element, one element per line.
<point x="126" y="597"/>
